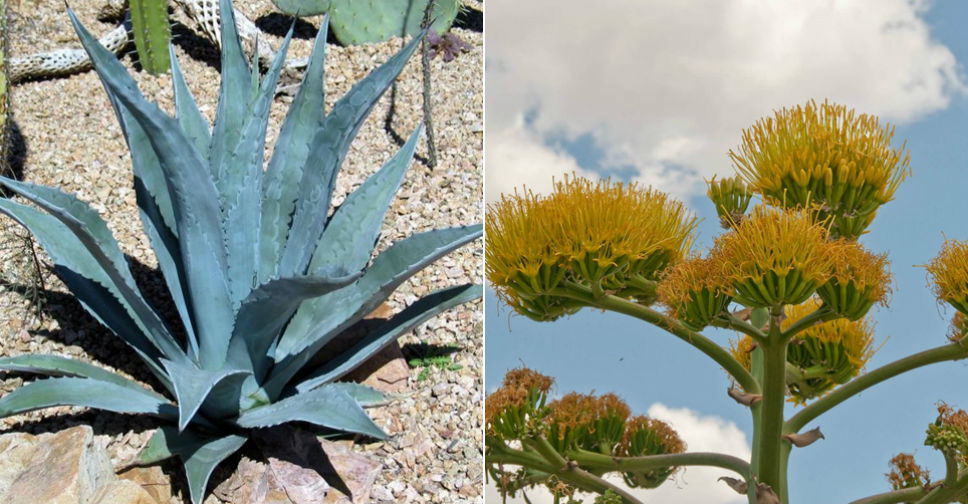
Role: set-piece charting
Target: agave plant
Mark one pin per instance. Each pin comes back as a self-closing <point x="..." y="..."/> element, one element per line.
<point x="261" y="279"/>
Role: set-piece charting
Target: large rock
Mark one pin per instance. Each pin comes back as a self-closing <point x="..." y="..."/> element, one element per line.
<point x="65" y="467"/>
<point x="299" y="468"/>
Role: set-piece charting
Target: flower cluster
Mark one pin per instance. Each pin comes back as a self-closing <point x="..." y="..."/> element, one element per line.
<point x="775" y="257"/>
<point x="858" y="279"/>
<point x="949" y="433"/>
<point x="513" y="409"/>
<point x="826" y="157"/>
<point x="731" y="198"/>
<point x="602" y="235"/>
<point x="821" y="356"/>
<point x="949" y="270"/>
<point x="696" y="290"/>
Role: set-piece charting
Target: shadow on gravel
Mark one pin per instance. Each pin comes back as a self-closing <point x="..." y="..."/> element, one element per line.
<point x="277" y="23"/>
<point x="16" y="155"/>
<point x="78" y="327"/>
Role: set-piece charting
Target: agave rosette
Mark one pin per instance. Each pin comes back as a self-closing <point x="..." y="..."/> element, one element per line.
<point x="261" y="279"/>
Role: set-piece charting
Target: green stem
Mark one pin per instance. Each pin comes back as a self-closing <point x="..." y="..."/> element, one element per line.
<point x="644" y="463"/>
<point x="895" y="497"/>
<point x="946" y="493"/>
<point x="571" y="473"/>
<point x="729" y="321"/>
<point x="768" y="460"/>
<point x="819" y="316"/>
<point x="951" y="351"/>
<point x="702" y="343"/>
<point x="951" y="469"/>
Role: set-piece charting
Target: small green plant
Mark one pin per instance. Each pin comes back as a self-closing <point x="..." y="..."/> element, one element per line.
<point x="789" y="276"/>
<point x="427" y="356"/>
<point x="262" y="280"/>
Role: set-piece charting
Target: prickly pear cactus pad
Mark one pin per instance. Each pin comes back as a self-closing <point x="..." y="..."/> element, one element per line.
<point x="72" y="141"/>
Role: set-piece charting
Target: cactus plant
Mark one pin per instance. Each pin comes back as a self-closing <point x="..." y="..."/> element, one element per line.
<point x="362" y="21"/>
<point x="149" y="25"/>
<point x="262" y="281"/>
<point x="789" y="276"/>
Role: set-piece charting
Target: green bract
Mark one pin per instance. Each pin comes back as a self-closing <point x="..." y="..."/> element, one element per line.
<point x="261" y="279"/>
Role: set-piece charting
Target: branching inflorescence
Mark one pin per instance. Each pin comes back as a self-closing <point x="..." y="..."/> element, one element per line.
<point x="790" y="276"/>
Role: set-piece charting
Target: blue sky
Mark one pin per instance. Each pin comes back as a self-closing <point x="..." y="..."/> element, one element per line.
<point x="661" y="102"/>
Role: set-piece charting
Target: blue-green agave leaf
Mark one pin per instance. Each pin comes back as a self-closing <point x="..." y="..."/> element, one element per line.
<point x="327" y="407"/>
<point x="329" y="147"/>
<point x="241" y="192"/>
<point x="388" y="332"/>
<point x="192" y="386"/>
<point x="366" y="396"/>
<point x="88" y="392"/>
<point x="168" y="253"/>
<point x="93" y="233"/>
<point x="157" y="215"/>
<point x="317" y="320"/>
<point x="55" y="365"/>
<point x="186" y="109"/>
<point x="351" y="234"/>
<point x="305" y="117"/>
<point x="194" y="199"/>
<point x="266" y="311"/>
<point x="81" y="272"/>
<point x="233" y="99"/>
<point x="199" y="454"/>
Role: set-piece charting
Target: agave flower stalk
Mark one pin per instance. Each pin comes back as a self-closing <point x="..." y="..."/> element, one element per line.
<point x="790" y="277"/>
<point x="261" y="279"/>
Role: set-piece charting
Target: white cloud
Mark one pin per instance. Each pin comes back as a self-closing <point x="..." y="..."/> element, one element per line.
<point x="694" y="484"/>
<point x="664" y="86"/>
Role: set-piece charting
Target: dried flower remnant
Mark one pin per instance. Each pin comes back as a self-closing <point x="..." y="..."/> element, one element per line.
<point x="589" y="422"/>
<point x="905" y="473"/>
<point x="448" y="46"/>
<point x="776" y="257"/>
<point x="858" y="279"/>
<point x="949" y="272"/>
<point x="514" y="405"/>
<point x="824" y="156"/>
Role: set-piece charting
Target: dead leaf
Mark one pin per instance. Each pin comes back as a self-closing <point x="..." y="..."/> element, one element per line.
<point x="804" y="439"/>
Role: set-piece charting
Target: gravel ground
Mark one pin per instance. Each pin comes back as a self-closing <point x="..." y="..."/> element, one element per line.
<point x="66" y="136"/>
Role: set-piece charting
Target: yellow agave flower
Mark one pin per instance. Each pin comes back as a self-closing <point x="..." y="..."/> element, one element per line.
<point x="696" y="290"/>
<point x="775" y="257"/>
<point x="599" y="234"/>
<point x="858" y="279"/>
<point x="826" y="156"/>
<point x="949" y="270"/>
<point x="822" y="356"/>
<point x="649" y="436"/>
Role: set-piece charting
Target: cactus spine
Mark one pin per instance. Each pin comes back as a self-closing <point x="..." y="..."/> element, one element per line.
<point x="149" y="22"/>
